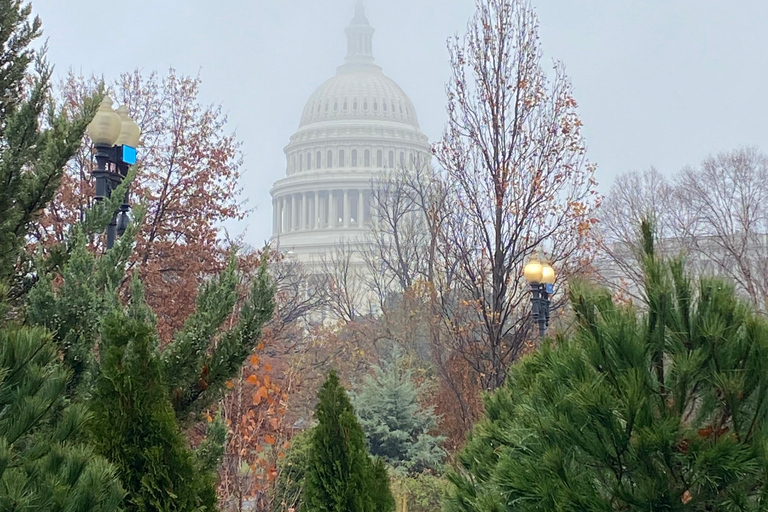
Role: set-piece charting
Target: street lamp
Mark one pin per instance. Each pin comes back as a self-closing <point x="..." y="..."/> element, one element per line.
<point x="540" y="276"/>
<point x="115" y="137"/>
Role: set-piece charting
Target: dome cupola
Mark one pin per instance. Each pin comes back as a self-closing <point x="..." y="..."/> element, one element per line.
<point x="359" y="39"/>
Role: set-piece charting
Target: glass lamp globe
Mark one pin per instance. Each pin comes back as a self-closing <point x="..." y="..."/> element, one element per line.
<point x="106" y="124"/>
<point x="129" y="130"/>
<point x="533" y="271"/>
<point x="547" y="274"/>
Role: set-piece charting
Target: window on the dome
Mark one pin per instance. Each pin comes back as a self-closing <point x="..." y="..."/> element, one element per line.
<point x="329" y="159"/>
<point x="309" y="161"/>
<point x="367" y="158"/>
<point x="365" y="105"/>
<point x="354" y="158"/>
<point x="336" y="106"/>
<point x="354" y="105"/>
<point x="375" y="106"/>
<point x="379" y="162"/>
<point x="326" y="107"/>
<point x="391" y="159"/>
<point x="341" y="158"/>
<point x="318" y="157"/>
<point x="384" y="105"/>
<point x="402" y="159"/>
<point x="401" y="108"/>
<point x="345" y="105"/>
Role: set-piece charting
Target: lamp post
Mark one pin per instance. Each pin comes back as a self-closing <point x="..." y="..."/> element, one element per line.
<point x="115" y="137"/>
<point x="541" y="278"/>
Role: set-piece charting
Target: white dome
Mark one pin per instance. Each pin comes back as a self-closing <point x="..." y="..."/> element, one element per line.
<point x="362" y="92"/>
<point x="356" y="126"/>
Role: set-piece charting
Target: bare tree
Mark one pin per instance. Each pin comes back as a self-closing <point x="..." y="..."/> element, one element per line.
<point x="727" y="195"/>
<point x="518" y="179"/>
<point x="409" y="209"/>
<point x="633" y="197"/>
<point x="345" y="282"/>
<point x="715" y="214"/>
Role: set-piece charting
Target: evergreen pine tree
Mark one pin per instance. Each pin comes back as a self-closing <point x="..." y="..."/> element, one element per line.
<point x="396" y="426"/>
<point x="45" y="464"/>
<point x="287" y="491"/>
<point x="135" y="426"/>
<point x="32" y="158"/>
<point x="379" y="487"/>
<point x="664" y="409"/>
<point x="340" y="475"/>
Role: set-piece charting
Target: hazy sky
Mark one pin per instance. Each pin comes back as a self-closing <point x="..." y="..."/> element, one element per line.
<point x="659" y="82"/>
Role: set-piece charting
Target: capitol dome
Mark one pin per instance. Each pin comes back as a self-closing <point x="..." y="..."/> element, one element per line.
<point x="355" y="126"/>
<point x="365" y="94"/>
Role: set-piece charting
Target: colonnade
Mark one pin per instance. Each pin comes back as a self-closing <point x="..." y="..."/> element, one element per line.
<point x="320" y="209"/>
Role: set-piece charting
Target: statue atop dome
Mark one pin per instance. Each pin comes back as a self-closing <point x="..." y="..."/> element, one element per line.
<point x="360" y="13"/>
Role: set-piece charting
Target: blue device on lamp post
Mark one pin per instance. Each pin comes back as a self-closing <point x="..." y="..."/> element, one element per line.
<point x="128" y="154"/>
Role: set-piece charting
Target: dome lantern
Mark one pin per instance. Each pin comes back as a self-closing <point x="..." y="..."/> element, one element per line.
<point x="359" y="38"/>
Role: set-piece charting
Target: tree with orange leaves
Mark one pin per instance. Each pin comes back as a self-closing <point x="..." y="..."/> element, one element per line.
<point x="188" y="171"/>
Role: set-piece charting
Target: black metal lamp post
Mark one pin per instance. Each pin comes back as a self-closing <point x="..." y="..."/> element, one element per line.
<point x="541" y="278"/>
<point x="115" y="137"/>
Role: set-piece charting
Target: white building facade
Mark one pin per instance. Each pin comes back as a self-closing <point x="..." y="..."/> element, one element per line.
<point x="356" y="125"/>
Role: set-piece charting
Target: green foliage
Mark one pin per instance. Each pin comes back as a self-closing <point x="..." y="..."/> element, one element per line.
<point x="135" y="426"/>
<point x="340" y="476"/>
<point x="665" y="409"/>
<point x="210" y="453"/>
<point x="422" y="492"/>
<point x="287" y="491"/>
<point x="32" y="158"/>
<point x="203" y="356"/>
<point x="75" y="309"/>
<point x="44" y="466"/>
<point x="380" y="493"/>
<point x="396" y="426"/>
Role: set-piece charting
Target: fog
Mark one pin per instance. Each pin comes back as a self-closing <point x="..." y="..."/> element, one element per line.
<point x="659" y="82"/>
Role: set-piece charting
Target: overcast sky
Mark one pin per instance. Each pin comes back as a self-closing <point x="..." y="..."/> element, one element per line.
<point x="659" y="83"/>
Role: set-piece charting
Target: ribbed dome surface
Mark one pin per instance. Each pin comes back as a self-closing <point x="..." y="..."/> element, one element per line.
<point x="360" y="93"/>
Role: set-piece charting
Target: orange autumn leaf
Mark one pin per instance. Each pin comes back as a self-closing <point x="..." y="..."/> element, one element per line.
<point x="267" y="367"/>
<point x="269" y="439"/>
<point x="259" y="395"/>
<point x="254" y="360"/>
<point x="252" y="379"/>
<point x="230" y="384"/>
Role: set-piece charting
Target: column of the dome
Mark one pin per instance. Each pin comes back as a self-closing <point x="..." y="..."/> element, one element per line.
<point x="324" y="212"/>
<point x="316" y="222"/>
<point x="360" y="222"/>
<point x="293" y="213"/>
<point x="334" y="210"/>
<point x="286" y="215"/>
<point x="345" y="214"/>
<point x="274" y="216"/>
